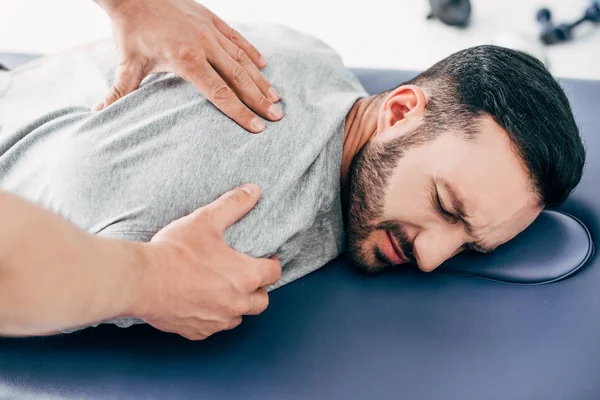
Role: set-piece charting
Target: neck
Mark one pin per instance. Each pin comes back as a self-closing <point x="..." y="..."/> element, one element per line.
<point x="361" y="126"/>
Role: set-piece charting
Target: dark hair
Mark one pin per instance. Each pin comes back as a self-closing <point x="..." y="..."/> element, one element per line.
<point x="517" y="91"/>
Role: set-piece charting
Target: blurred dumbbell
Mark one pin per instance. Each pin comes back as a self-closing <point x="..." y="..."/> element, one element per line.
<point x="451" y="12"/>
<point x="552" y="33"/>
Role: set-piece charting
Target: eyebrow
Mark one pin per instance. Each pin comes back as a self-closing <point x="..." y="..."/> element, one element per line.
<point x="458" y="204"/>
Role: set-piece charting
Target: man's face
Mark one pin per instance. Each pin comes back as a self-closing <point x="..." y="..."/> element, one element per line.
<point x="424" y="201"/>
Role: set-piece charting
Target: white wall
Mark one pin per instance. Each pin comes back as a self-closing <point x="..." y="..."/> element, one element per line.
<point x="375" y="33"/>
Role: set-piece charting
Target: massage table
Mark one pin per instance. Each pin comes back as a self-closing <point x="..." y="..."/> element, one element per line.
<point x="521" y="323"/>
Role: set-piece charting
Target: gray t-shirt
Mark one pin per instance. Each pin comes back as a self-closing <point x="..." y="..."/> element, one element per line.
<point x="162" y="151"/>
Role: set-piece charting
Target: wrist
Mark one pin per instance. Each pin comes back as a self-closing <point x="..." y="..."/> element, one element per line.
<point x="148" y="260"/>
<point x="122" y="275"/>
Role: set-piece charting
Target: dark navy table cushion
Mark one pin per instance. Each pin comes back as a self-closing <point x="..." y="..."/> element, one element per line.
<point x="554" y="247"/>
<point x="337" y="334"/>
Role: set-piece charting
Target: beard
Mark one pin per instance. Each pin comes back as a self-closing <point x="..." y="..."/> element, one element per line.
<point x="368" y="181"/>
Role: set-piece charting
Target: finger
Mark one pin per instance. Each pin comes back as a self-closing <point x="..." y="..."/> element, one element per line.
<point x="233" y="324"/>
<point x="209" y="83"/>
<point x="259" y="302"/>
<point x="240" y="80"/>
<point x="269" y="270"/>
<point x="233" y="205"/>
<point x="128" y="78"/>
<point x="193" y="335"/>
<point x="242" y="59"/>
<point x="237" y="39"/>
<point x="184" y="330"/>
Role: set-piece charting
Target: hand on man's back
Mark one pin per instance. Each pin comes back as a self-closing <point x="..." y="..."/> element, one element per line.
<point x="195" y="284"/>
<point x="186" y="38"/>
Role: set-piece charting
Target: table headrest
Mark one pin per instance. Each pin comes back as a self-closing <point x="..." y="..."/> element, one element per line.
<point x="555" y="246"/>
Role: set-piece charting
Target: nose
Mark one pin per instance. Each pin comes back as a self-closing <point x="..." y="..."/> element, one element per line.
<point x="434" y="246"/>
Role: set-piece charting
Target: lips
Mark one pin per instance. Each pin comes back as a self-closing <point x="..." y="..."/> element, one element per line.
<point x="396" y="248"/>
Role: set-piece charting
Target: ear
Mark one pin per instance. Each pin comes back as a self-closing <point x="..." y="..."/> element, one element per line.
<point x="404" y="106"/>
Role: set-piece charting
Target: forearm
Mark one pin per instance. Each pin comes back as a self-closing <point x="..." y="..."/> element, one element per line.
<point x="53" y="276"/>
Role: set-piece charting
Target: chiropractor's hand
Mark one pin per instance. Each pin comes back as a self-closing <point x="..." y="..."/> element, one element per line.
<point x="186" y="38"/>
<point x="197" y="284"/>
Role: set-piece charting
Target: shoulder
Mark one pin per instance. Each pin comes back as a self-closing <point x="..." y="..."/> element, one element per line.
<point x="287" y="48"/>
<point x="282" y="37"/>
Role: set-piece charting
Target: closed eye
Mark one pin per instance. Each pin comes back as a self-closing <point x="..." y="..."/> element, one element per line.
<point x="454" y="219"/>
<point x="437" y="203"/>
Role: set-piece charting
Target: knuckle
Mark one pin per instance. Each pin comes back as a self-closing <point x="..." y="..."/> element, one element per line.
<point x="130" y="67"/>
<point x="207" y="221"/>
<point x="273" y="270"/>
<point x="203" y="214"/>
<point x="246" y="282"/>
<point x="229" y="324"/>
<point x="240" y="76"/>
<point x="278" y="272"/>
<point x="194" y="336"/>
<point x="234" y="35"/>
<point x="234" y="323"/>
<point x="212" y="231"/>
<point x="220" y="91"/>
<point x="203" y="34"/>
<point x="239" y="198"/>
<point x="265" y="103"/>
<point x="237" y="308"/>
<point x="240" y="56"/>
<point x="263" y="302"/>
<point x="273" y="279"/>
<point x="253" y="281"/>
<point x="116" y="92"/>
<point x="200" y="214"/>
<point x="186" y="54"/>
<point x="238" y="281"/>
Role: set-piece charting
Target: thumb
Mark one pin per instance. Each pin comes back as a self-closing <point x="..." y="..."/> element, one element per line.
<point x="128" y="78"/>
<point x="233" y="205"/>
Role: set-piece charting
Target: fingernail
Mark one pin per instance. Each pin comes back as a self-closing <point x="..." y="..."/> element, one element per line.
<point x="262" y="61"/>
<point x="97" y="106"/>
<point x="257" y="124"/>
<point x="250" y="188"/>
<point x="273" y="94"/>
<point x="275" y="112"/>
